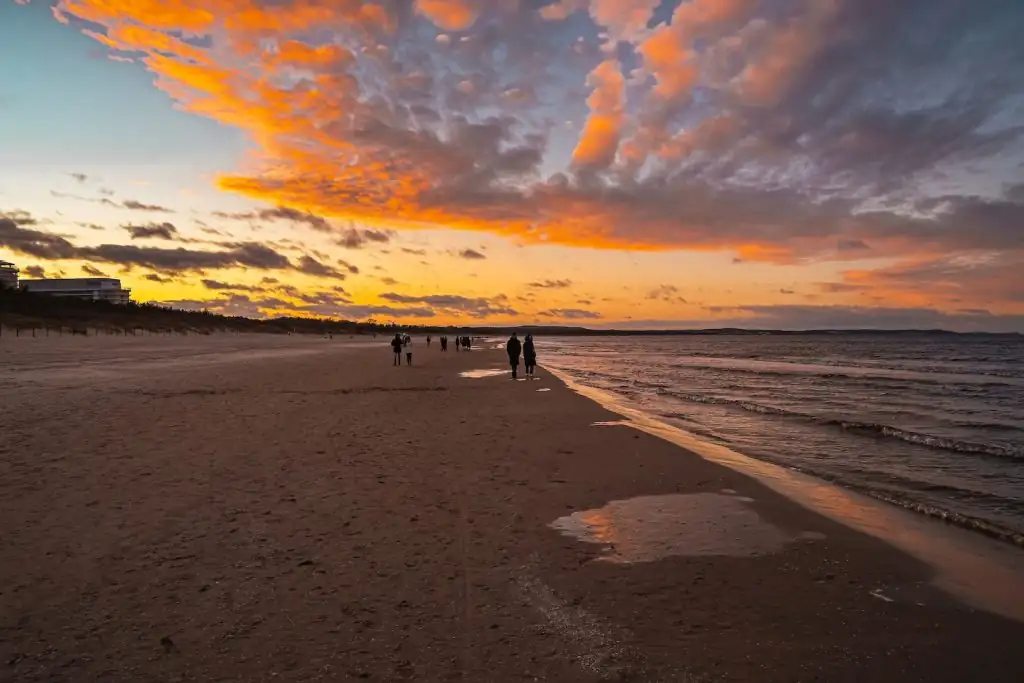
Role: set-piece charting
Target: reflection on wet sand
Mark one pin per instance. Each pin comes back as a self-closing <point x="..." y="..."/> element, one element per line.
<point x="482" y="373"/>
<point x="649" y="528"/>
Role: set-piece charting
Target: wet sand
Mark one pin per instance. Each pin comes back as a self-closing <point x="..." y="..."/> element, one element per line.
<point x="283" y="509"/>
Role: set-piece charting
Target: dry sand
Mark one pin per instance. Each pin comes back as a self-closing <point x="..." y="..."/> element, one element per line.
<point x="243" y="508"/>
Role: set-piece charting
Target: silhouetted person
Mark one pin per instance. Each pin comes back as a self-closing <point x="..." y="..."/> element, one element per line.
<point x="396" y="346"/>
<point x="529" y="355"/>
<point x="444" y="344"/>
<point x="467" y="342"/>
<point x="408" y="350"/>
<point x="514" y="347"/>
<point x="458" y="343"/>
<point x="428" y="341"/>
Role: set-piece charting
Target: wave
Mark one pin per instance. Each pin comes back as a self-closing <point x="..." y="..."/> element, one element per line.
<point x="975" y="524"/>
<point x="939" y="442"/>
<point x="973" y="398"/>
<point x="929" y="440"/>
<point x="913" y="366"/>
<point x="857" y="372"/>
<point x="986" y="527"/>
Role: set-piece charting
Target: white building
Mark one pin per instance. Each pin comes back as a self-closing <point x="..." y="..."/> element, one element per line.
<point x="93" y="288"/>
<point x="8" y="275"/>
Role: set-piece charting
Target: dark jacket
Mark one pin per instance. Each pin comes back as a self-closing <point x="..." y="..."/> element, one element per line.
<point x="514" y="348"/>
<point x="529" y="353"/>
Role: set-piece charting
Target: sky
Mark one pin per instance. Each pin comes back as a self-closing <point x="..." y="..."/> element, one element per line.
<point x="783" y="164"/>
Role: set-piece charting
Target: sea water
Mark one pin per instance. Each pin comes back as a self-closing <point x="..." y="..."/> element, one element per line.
<point x="930" y="422"/>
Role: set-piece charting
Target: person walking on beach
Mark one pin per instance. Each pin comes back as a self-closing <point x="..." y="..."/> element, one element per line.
<point x="444" y="344"/>
<point x="428" y="341"/>
<point x="514" y="347"/>
<point x="396" y="346"/>
<point x="467" y="342"/>
<point x="408" y="350"/>
<point x="529" y="356"/>
<point x="458" y="342"/>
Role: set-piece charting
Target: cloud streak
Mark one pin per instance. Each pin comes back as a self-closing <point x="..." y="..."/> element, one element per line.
<point x="551" y="284"/>
<point x="262" y="306"/>
<point x="165" y="231"/>
<point x="140" y="206"/>
<point x="475" y="307"/>
<point x="18" y="232"/>
<point x="570" y="314"/>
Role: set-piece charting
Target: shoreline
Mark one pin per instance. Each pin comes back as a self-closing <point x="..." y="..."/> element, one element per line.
<point x="983" y="571"/>
<point x="324" y="516"/>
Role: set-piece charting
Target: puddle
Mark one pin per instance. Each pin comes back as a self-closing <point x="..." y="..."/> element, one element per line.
<point x="612" y="423"/>
<point x="543" y="390"/>
<point x="480" y="374"/>
<point x="650" y="528"/>
<point x="731" y="492"/>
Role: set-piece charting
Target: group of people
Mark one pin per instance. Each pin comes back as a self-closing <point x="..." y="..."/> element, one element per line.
<point x="465" y="342"/>
<point x="399" y="342"/>
<point x="514" y="348"/>
<point x="402" y="342"/>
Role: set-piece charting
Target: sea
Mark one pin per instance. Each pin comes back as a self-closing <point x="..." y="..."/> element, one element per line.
<point x="930" y="422"/>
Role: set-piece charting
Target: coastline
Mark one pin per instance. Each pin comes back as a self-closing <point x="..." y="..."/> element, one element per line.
<point x="324" y="516"/>
<point x="985" y="572"/>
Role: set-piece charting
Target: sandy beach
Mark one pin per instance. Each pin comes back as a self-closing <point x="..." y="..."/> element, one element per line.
<point x="250" y="508"/>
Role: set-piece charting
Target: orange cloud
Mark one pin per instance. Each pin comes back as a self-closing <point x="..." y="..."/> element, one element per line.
<point x="298" y="54"/>
<point x="327" y="145"/>
<point x="788" y="51"/>
<point x="600" y="137"/>
<point x="626" y="19"/>
<point x="670" y="59"/>
<point x="668" y="52"/>
<point x="982" y="281"/>
<point x="450" y="15"/>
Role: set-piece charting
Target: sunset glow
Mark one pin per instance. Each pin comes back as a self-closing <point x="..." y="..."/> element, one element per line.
<point x="606" y="163"/>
